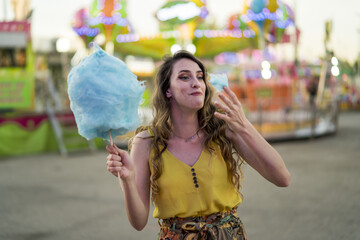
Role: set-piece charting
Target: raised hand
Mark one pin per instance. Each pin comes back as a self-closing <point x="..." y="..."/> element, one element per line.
<point x="233" y="113"/>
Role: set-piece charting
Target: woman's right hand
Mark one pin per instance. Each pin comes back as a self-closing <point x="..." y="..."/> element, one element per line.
<point x="119" y="162"/>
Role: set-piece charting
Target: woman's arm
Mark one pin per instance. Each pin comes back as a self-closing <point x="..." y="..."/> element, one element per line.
<point x="255" y="150"/>
<point x="135" y="174"/>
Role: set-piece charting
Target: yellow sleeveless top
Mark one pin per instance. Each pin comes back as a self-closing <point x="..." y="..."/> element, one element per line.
<point x="199" y="190"/>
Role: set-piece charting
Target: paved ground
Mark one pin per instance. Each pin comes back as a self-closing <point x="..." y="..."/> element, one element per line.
<point x="54" y="198"/>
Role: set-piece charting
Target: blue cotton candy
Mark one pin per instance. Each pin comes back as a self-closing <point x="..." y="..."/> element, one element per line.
<point x="104" y="95"/>
<point x="219" y="81"/>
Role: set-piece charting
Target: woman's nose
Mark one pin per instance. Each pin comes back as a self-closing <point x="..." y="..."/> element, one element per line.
<point x="195" y="83"/>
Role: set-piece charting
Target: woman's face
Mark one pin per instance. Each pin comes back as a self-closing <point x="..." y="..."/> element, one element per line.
<point x="187" y="85"/>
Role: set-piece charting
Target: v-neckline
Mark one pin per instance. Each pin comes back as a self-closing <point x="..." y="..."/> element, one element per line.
<point x="202" y="152"/>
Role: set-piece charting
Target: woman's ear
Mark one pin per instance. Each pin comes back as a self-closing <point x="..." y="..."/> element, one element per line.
<point x="168" y="93"/>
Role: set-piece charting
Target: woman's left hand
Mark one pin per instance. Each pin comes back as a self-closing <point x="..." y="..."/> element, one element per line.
<point x="233" y="113"/>
<point x="256" y="151"/>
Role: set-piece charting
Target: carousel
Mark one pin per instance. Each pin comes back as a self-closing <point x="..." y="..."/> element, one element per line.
<point x="284" y="99"/>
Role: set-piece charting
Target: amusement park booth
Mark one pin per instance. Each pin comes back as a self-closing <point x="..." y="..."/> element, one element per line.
<point x="23" y="129"/>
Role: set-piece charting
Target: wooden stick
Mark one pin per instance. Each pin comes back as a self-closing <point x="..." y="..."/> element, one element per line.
<point x="118" y="175"/>
<point x="111" y="140"/>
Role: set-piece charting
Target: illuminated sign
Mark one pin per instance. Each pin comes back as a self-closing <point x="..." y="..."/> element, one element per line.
<point x="182" y="11"/>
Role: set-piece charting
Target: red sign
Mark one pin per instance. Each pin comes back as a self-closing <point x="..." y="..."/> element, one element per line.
<point x="16" y="26"/>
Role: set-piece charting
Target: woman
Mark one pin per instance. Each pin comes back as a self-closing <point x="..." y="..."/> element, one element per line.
<point x="189" y="157"/>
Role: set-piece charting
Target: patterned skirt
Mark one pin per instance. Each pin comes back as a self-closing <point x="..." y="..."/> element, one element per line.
<point x="220" y="226"/>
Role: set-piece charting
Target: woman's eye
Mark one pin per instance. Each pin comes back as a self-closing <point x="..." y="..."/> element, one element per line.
<point x="201" y="77"/>
<point x="183" y="77"/>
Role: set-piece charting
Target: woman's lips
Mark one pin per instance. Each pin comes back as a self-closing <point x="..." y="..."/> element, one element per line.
<point x="196" y="93"/>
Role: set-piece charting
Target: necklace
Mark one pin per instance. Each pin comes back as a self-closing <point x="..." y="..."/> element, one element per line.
<point x="188" y="139"/>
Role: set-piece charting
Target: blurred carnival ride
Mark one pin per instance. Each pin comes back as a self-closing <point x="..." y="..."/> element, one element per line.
<point x="285" y="99"/>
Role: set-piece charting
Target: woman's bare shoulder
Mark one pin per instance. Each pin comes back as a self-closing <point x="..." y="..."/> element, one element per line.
<point x="142" y="140"/>
<point x="144" y="135"/>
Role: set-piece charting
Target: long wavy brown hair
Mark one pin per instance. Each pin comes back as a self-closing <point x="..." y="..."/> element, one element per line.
<point x="161" y="127"/>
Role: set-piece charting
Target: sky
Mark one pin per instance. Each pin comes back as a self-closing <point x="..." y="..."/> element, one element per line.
<point x="52" y="19"/>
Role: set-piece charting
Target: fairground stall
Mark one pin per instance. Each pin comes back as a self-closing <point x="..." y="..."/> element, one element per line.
<point x="24" y="129"/>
